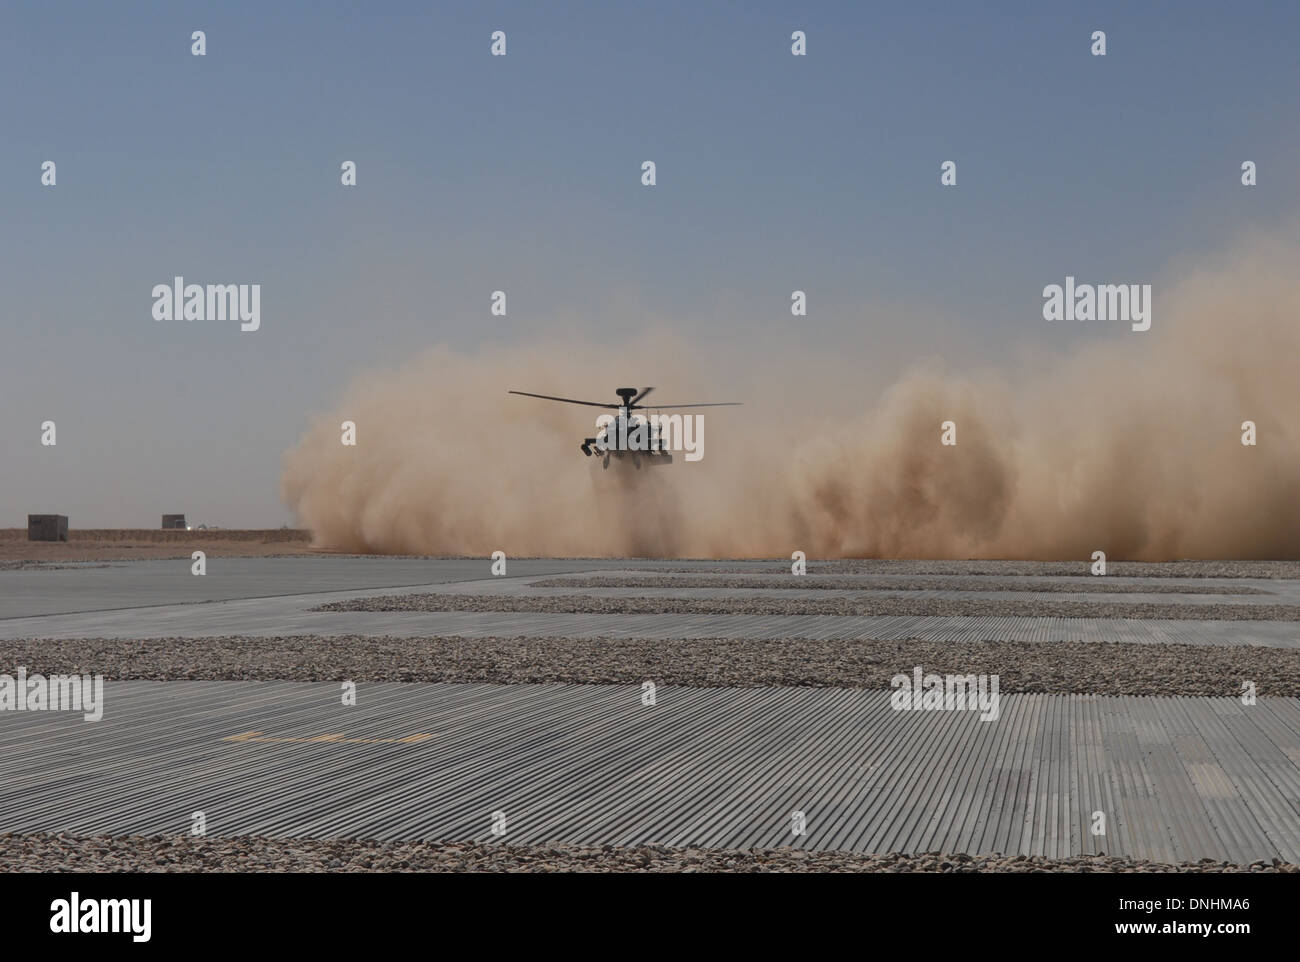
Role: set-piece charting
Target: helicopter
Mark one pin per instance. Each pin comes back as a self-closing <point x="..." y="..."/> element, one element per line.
<point x="626" y="434"/>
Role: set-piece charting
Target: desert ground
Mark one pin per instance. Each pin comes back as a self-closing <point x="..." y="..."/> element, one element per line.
<point x="126" y="544"/>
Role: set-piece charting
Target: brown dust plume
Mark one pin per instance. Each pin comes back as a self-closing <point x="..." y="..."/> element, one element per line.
<point x="1130" y="444"/>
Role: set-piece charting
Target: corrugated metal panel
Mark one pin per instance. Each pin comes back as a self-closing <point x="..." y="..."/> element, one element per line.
<point x="1178" y="778"/>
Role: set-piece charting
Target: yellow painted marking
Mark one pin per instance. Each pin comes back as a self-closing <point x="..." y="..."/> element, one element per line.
<point x="337" y="739"/>
<point x="247" y="736"/>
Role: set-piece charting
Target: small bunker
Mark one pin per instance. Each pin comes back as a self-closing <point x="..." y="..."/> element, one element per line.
<point x="47" y="527"/>
<point x="172" y="521"/>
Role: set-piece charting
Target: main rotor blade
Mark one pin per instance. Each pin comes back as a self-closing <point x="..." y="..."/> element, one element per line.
<point x="641" y="395"/>
<point x="567" y="400"/>
<point x="719" y="404"/>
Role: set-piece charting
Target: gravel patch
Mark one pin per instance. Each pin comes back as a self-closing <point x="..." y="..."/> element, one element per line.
<point x="864" y="605"/>
<point x="183" y="853"/>
<point x="830" y="583"/>
<point x="1128" y="569"/>
<point x="1101" y="668"/>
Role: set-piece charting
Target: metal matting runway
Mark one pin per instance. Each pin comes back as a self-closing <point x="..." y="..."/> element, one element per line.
<point x="274" y="596"/>
<point x="271" y="617"/>
<point x="1177" y="778"/>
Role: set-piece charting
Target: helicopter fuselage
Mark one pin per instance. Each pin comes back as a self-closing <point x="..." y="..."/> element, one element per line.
<point x="624" y="435"/>
<point x="629" y="435"/>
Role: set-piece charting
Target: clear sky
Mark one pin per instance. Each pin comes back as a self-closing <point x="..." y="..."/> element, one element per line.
<point x="522" y="173"/>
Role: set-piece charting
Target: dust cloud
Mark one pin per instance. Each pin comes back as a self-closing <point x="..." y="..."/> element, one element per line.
<point x="1130" y="444"/>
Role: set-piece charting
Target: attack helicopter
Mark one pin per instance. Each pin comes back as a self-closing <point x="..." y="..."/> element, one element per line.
<point x="626" y="434"/>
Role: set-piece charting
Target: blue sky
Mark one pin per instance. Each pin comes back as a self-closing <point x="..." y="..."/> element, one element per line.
<point x="521" y="173"/>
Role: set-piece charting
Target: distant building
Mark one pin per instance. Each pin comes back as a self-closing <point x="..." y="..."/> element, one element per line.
<point x="171" y="521"/>
<point x="47" y="527"/>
